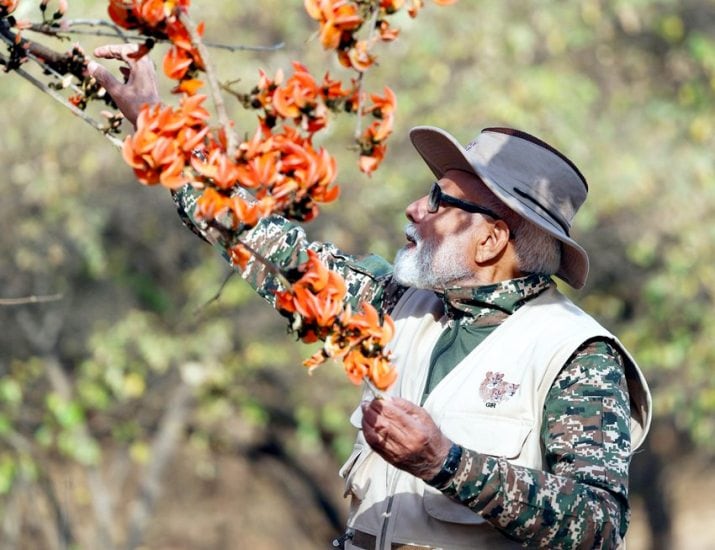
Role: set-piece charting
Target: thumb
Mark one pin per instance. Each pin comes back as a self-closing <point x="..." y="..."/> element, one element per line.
<point x="104" y="77"/>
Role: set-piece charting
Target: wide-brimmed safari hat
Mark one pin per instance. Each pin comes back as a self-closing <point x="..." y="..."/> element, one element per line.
<point x="532" y="178"/>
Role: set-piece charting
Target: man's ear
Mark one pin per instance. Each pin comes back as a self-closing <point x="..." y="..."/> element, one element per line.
<point x="492" y="243"/>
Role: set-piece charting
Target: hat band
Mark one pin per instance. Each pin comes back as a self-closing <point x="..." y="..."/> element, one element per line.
<point x="551" y="214"/>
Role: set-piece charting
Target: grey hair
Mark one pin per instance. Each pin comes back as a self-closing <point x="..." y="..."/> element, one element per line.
<point x="536" y="251"/>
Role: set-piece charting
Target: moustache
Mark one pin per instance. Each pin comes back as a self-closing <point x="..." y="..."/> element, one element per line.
<point x="411" y="233"/>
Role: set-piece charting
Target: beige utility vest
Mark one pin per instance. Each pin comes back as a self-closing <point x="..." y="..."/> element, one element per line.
<point x="478" y="406"/>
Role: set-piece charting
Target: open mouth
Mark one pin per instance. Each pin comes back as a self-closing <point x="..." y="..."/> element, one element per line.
<point x="411" y="236"/>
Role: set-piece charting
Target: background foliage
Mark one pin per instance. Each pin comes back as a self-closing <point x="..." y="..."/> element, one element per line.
<point x="137" y="397"/>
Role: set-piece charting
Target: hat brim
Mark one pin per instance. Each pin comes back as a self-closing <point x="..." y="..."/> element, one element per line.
<point x="441" y="152"/>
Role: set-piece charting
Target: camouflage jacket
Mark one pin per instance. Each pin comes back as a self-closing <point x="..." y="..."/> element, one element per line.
<point x="581" y="499"/>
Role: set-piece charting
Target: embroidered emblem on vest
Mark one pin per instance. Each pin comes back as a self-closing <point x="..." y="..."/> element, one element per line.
<point x="494" y="389"/>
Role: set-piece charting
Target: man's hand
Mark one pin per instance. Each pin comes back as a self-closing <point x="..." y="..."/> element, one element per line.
<point x="405" y="435"/>
<point x="139" y="87"/>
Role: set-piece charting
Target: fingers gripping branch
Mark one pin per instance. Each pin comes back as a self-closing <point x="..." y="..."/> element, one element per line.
<point x="140" y="85"/>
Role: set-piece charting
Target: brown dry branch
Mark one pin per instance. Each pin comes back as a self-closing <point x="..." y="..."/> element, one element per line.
<point x="55" y="64"/>
<point x="30" y="300"/>
<point x="163" y="449"/>
<point x="43" y="334"/>
<point x="63" y="101"/>
<point x="50" y="58"/>
<point x="54" y="94"/>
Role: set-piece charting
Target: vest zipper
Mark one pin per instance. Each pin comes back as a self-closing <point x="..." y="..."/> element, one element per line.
<point x="388" y="510"/>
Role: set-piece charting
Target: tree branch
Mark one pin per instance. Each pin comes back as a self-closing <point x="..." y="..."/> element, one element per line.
<point x="11" y="522"/>
<point x="25" y="446"/>
<point x="98" y="489"/>
<point x="214" y="85"/>
<point x="43" y="336"/>
<point x="49" y="57"/>
<point x="69" y="28"/>
<point x="163" y="448"/>
<point x="361" y="77"/>
<point x="30" y="300"/>
<point x="61" y="100"/>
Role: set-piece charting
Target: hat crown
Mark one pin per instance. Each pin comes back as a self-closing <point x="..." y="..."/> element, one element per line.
<point x="531" y="171"/>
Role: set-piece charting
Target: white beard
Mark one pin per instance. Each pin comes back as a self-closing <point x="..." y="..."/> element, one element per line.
<point x="428" y="266"/>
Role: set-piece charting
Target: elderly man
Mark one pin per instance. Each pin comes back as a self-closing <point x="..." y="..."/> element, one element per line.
<point x="515" y="414"/>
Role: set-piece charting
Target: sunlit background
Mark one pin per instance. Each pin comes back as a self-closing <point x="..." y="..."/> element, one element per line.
<point x="140" y="411"/>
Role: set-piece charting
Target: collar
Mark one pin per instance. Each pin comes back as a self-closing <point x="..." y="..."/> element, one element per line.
<point x="491" y="304"/>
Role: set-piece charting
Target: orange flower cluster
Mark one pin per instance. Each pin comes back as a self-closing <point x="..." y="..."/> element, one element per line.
<point x="316" y="298"/>
<point x="150" y="17"/>
<point x="301" y="99"/>
<point x="162" y="146"/>
<point x="306" y="103"/>
<point x="341" y="20"/>
<point x="360" y="343"/>
<point x="161" y="19"/>
<point x="286" y="174"/>
<point x="279" y="165"/>
<point x="7" y="7"/>
<point x="234" y="211"/>
<point x="417" y="5"/>
<point x="315" y="306"/>
<point x="285" y="168"/>
<point x="372" y="142"/>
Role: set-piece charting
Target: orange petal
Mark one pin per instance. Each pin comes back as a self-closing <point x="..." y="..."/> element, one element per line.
<point x="189" y="87"/>
<point x="176" y="63"/>
<point x="240" y="256"/>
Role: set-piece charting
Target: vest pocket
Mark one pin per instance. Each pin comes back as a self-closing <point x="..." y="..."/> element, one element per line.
<point x="487" y="434"/>
<point x="354" y="472"/>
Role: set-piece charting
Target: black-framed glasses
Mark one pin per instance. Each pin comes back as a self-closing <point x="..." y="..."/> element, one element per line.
<point x="438" y="197"/>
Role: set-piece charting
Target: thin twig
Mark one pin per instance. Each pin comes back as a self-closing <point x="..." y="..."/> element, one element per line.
<point x="214" y="86"/>
<point x="60" y="99"/>
<point x="376" y="393"/>
<point x="49" y="30"/>
<point x="360" y="115"/>
<point x="218" y="293"/>
<point x="68" y="28"/>
<point x="30" y="300"/>
<point x="361" y="77"/>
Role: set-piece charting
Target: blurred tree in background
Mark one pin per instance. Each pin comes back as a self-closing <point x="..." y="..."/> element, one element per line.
<point x="139" y="410"/>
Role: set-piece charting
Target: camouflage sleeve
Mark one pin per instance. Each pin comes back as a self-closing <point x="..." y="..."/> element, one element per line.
<point x="284" y="244"/>
<point x="581" y="499"/>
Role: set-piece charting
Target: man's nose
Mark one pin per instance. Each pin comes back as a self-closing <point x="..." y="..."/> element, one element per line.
<point x="416" y="210"/>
